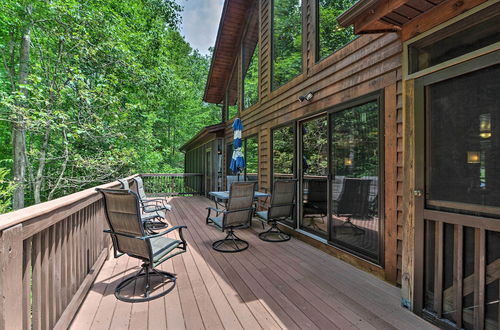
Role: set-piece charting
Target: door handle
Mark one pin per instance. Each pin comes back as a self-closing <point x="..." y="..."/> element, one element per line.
<point x="417" y="193"/>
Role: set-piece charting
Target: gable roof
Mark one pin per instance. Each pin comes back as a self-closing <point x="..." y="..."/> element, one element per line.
<point x="226" y="48"/>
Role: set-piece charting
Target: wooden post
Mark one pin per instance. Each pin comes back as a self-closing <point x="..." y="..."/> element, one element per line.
<point x="408" y="272"/>
<point x="11" y="278"/>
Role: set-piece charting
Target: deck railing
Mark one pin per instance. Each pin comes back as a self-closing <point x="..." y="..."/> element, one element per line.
<point x="173" y="184"/>
<point x="50" y="254"/>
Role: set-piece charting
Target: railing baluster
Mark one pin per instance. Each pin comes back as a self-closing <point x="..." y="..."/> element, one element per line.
<point x="27" y="283"/>
<point x="45" y="280"/>
<point x="479" y="271"/>
<point x="458" y="273"/>
<point x="438" y="276"/>
<point x="36" y="264"/>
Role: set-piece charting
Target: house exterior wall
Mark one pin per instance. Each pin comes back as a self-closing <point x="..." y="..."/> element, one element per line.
<point x="368" y="64"/>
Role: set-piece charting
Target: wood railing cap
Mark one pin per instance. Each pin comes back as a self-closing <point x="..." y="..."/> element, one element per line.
<point x="13" y="218"/>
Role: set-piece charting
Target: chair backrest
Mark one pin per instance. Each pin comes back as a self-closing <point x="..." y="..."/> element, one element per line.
<point x="354" y="197"/>
<point x="373" y="187"/>
<point x="317" y="190"/>
<point x="139" y="186"/>
<point x="241" y="196"/>
<point x="282" y="199"/>
<point x="123" y="216"/>
<point x="124" y="183"/>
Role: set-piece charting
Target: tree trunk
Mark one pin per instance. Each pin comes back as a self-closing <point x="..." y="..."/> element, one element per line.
<point x="19" y="126"/>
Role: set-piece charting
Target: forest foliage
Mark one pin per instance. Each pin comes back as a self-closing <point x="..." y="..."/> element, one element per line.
<point x="100" y="90"/>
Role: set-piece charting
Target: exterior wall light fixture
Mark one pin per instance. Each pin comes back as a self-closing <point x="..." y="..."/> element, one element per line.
<point x="306" y="97"/>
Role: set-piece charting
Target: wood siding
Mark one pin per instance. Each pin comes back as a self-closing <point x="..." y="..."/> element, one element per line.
<point x="369" y="63"/>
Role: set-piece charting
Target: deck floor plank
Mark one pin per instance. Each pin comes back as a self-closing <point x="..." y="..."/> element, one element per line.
<point x="243" y="296"/>
<point x="270" y="286"/>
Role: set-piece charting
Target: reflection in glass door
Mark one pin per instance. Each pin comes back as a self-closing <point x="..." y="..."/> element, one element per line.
<point x="314" y="175"/>
<point x="355" y="182"/>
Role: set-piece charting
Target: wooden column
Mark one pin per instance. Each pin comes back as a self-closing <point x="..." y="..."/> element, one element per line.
<point x="11" y="278"/>
<point x="408" y="271"/>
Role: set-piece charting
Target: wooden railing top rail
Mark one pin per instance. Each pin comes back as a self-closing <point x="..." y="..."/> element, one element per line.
<point x="11" y="219"/>
<point x="171" y="174"/>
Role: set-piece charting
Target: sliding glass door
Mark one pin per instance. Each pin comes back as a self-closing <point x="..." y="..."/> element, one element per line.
<point x="355" y="167"/>
<point x="339" y="176"/>
<point x="314" y="175"/>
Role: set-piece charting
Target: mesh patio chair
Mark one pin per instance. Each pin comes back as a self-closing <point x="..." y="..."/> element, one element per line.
<point x="354" y="201"/>
<point x="123" y="215"/>
<point x="150" y="206"/>
<point x="237" y="214"/>
<point x="282" y="205"/>
<point x="317" y="200"/>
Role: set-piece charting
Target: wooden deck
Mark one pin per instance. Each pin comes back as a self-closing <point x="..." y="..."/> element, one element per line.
<point x="270" y="285"/>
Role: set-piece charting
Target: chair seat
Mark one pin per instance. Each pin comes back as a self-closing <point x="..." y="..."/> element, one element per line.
<point x="262" y="215"/>
<point x="161" y="246"/>
<point x="217" y="221"/>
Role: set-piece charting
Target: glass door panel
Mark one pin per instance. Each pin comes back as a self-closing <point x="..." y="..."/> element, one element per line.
<point x="314" y="176"/>
<point x="283" y="157"/>
<point x="355" y="181"/>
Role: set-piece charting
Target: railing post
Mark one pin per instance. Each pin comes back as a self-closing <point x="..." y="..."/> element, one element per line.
<point x="11" y="278"/>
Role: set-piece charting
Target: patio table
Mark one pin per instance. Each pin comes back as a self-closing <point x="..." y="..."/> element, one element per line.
<point x="223" y="197"/>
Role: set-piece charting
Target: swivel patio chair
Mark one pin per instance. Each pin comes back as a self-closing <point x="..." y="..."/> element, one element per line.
<point x="123" y="215"/>
<point x="282" y="205"/>
<point x="354" y="201"/>
<point x="237" y="214"/>
<point x="150" y="206"/>
<point x="317" y="201"/>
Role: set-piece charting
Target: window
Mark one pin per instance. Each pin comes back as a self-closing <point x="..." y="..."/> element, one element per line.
<point x="287" y="41"/>
<point x="467" y="35"/>
<point x="331" y="36"/>
<point x="251" y="63"/>
<point x="283" y="146"/>
<point x="232" y="95"/>
<point x="251" y="153"/>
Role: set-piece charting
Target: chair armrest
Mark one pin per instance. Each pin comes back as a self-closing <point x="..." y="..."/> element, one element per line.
<point x="165" y="232"/>
<point x="109" y="231"/>
<point x="215" y="209"/>
<point x="239" y="210"/>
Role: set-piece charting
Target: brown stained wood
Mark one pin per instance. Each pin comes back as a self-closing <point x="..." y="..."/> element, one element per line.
<point x="46" y="209"/>
<point x="438" y="266"/>
<point x="27" y="252"/>
<point x="437" y="15"/>
<point x="479" y="270"/>
<point x="59" y="307"/>
<point x="11" y="275"/>
<point x="458" y="273"/>
<point x="66" y="317"/>
<point x="45" y="280"/>
<point x="390" y="185"/>
<point x="36" y="278"/>
<point x="51" y="276"/>
<point x="258" y="284"/>
<point x="408" y="234"/>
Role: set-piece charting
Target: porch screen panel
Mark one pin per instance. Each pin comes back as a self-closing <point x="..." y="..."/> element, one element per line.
<point x="287" y="41"/>
<point x="463" y="165"/>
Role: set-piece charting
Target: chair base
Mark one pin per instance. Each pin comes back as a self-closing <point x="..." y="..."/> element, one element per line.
<point x="147" y="273"/>
<point x="235" y="243"/>
<point x="358" y="230"/>
<point x="274" y="231"/>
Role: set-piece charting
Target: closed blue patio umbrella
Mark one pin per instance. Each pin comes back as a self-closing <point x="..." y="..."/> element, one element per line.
<point x="238" y="160"/>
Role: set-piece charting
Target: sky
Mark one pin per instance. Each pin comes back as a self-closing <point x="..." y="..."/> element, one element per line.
<point x="200" y="21"/>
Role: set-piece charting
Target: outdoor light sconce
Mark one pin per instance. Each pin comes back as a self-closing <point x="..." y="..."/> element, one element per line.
<point x="306" y="97"/>
<point x="348" y="162"/>
<point x="473" y="157"/>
